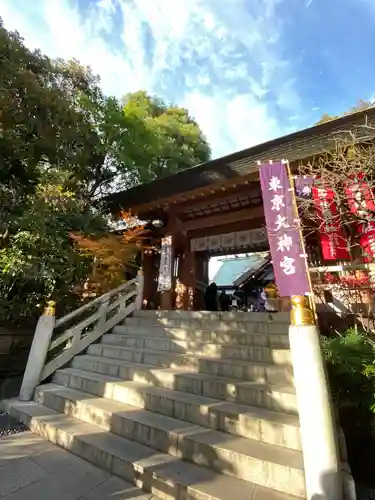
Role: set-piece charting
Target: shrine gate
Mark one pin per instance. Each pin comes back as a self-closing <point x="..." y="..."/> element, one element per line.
<point x="215" y="209"/>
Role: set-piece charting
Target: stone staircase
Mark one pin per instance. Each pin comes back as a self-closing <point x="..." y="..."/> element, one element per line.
<point x="186" y="405"/>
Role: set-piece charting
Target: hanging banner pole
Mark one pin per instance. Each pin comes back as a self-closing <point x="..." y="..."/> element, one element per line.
<point x="317" y="424"/>
<point x="303" y="246"/>
<point x="284" y="232"/>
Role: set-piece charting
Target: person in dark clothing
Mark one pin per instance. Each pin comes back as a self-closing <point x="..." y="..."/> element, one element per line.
<point x="210" y="297"/>
<point x="224" y="300"/>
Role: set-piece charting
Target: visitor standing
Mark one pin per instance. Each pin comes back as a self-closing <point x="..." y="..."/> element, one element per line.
<point x="211" y="298"/>
<point x="224" y="300"/>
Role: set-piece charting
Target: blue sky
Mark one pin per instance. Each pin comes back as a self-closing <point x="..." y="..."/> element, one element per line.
<point x="247" y="70"/>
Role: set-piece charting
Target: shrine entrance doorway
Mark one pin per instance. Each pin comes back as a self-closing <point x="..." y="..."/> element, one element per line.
<point x="187" y="232"/>
<point x="184" y="264"/>
<point x="241" y="277"/>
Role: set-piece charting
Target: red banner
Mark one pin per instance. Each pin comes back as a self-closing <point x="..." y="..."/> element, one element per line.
<point x="360" y="196"/>
<point x="367" y="240"/>
<point x="332" y="238"/>
<point x="362" y="203"/>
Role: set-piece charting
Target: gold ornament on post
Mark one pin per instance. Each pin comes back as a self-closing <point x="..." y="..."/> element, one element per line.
<point x="50" y="309"/>
<point x="271" y="291"/>
<point x="301" y="314"/>
<point x="271" y="304"/>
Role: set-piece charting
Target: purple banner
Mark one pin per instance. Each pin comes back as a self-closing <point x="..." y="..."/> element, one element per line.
<point x="288" y="260"/>
<point x="303" y="186"/>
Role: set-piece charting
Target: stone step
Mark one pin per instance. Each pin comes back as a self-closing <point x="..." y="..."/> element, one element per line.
<point x="215" y="325"/>
<point x="234" y="338"/>
<point x="279" y="398"/>
<point x="263" y="464"/>
<point x="239" y="316"/>
<point x="267" y="426"/>
<point x="255" y="371"/>
<point x="223" y="351"/>
<point x="165" y="476"/>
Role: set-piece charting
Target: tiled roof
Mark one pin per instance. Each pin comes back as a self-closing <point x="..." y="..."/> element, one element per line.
<point x="233" y="268"/>
<point x="261" y="264"/>
<point x="297" y="146"/>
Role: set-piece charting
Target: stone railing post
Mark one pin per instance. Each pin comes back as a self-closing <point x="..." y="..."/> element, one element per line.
<point x="317" y="423"/>
<point x="38" y="352"/>
<point x="140" y="288"/>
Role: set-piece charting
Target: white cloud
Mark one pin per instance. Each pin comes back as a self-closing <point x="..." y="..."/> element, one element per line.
<point x="220" y="59"/>
<point x="232" y="124"/>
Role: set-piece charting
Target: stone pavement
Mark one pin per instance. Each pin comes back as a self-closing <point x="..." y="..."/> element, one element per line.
<point x="32" y="468"/>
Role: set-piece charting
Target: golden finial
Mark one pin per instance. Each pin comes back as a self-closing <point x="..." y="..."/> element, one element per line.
<point x="301" y="314"/>
<point x="50" y="309"/>
<point x="271" y="291"/>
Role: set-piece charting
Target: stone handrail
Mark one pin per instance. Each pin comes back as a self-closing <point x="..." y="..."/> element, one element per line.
<point x="50" y="350"/>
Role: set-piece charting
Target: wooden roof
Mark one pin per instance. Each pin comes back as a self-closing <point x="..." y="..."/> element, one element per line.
<point x="297" y="146"/>
<point x="255" y="270"/>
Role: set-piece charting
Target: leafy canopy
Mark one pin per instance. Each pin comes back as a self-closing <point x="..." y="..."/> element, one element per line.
<point x="63" y="143"/>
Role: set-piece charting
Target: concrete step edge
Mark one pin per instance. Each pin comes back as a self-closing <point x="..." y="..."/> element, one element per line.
<point x="206" y="400"/>
<point x="209" y="329"/>
<point x="146" y="468"/>
<point x="191" y="355"/>
<point x="194" y="335"/>
<point x="195" y="345"/>
<point x="246" y="317"/>
<point x="217" y="326"/>
<point x="179" y="436"/>
<point x="181" y="371"/>
<point x="219" y="344"/>
<point x="235" y="362"/>
<point x="273" y="397"/>
<point x="239" y="420"/>
<point x="241" y="370"/>
<point x="113" y="379"/>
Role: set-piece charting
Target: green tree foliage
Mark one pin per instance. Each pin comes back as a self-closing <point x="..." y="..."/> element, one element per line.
<point x="360" y="106"/>
<point x="64" y="143"/>
<point x="54" y="115"/>
<point x="38" y="124"/>
<point x="170" y="138"/>
<point x="38" y="260"/>
<point x="108" y="148"/>
<point x="351" y="360"/>
<point x="130" y="144"/>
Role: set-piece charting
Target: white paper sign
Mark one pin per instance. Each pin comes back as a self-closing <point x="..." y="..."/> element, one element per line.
<point x="165" y="268"/>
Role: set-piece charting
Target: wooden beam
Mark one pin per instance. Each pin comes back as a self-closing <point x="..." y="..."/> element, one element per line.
<point x="142" y="209"/>
<point x="224" y="218"/>
<point x="226" y="196"/>
<point x="242" y="225"/>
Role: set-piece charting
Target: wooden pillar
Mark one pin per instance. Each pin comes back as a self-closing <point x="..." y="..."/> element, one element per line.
<point x="185" y="298"/>
<point x="200" y="279"/>
<point x="201" y="268"/>
<point x="149" y="290"/>
<point x="191" y="280"/>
